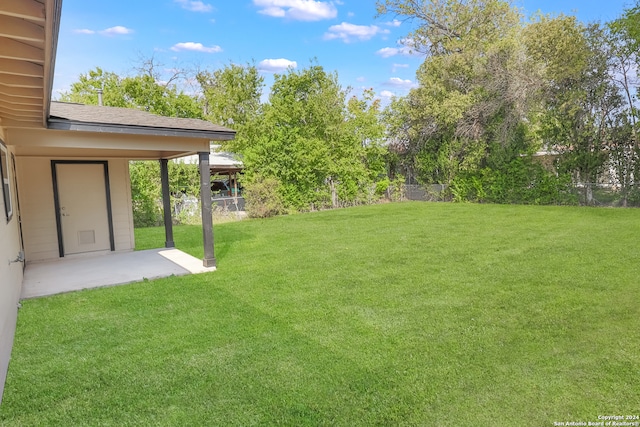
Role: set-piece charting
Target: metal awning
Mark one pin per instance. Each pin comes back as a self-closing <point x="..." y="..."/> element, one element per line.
<point x="224" y="163"/>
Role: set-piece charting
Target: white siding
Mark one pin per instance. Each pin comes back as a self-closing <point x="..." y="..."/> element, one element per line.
<point x="121" y="204"/>
<point x="10" y="283"/>
<point x="39" y="220"/>
<point x="38" y="211"/>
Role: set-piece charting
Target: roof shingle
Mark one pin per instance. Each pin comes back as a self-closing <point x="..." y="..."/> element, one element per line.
<point x="71" y="116"/>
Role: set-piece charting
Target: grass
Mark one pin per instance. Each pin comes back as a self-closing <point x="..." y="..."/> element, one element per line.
<point x="398" y="314"/>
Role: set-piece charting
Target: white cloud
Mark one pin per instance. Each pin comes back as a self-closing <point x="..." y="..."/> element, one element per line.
<point x="387" y="94"/>
<point x="400" y="83"/>
<point x="194" y="6"/>
<point x="361" y="79"/>
<point x="388" y="52"/>
<point x="276" y="65"/>
<point x="118" y="30"/>
<point x="275" y="12"/>
<point x="348" y="32"/>
<point x="397" y="66"/>
<point x="299" y="10"/>
<point x="394" y="23"/>
<point x="405" y="48"/>
<point x="196" y="47"/>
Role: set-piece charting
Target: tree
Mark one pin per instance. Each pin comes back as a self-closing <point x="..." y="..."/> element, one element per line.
<point x="300" y="126"/>
<point x="85" y="90"/>
<point x="145" y="193"/>
<point x="322" y="150"/>
<point x="474" y="86"/>
<point x="580" y="100"/>
<point x="453" y="26"/>
<point x="365" y="134"/>
<point x="232" y="99"/>
<point x="624" y="39"/>
<point x="629" y="24"/>
<point x="145" y="92"/>
<point x="142" y="91"/>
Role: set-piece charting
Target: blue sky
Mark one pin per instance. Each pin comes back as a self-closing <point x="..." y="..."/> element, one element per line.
<point x="341" y="35"/>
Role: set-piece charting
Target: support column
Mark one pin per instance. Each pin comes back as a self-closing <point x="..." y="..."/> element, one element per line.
<point x="235" y="184"/>
<point x="207" y="215"/>
<point x="166" y="204"/>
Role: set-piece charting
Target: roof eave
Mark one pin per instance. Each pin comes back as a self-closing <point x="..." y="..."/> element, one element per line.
<point x="55" y="12"/>
<point x="58" y="124"/>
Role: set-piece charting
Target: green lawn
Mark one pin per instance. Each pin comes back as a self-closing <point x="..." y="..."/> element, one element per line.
<point x="398" y="314"/>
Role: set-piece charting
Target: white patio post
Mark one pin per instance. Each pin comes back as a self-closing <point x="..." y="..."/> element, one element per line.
<point x="207" y="215"/>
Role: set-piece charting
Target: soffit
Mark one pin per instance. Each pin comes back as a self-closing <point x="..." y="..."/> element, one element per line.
<point x="28" y="37"/>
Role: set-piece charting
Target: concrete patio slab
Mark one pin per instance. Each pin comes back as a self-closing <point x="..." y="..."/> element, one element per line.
<point x="76" y="273"/>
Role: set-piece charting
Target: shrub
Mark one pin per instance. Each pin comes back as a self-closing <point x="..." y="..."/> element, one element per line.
<point x="396" y="189"/>
<point x="263" y="198"/>
<point x="519" y="181"/>
<point x="145" y="193"/>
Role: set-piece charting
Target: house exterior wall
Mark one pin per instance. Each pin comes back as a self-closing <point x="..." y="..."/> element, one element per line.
<point x="10" y="277"/>
<point x="121" y="204"/>
<point x="38" y="212"/>
<point x="35" y="184"/>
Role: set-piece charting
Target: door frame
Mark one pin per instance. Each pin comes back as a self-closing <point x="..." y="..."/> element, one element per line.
<point x="56" y="197"/>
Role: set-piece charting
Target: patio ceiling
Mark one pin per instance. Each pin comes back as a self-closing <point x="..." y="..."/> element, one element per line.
<point x="28" y="38"/>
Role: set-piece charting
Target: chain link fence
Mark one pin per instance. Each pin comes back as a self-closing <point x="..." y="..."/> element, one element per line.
<point x="605" y="195"/>
<point x="429" y="193"/>
<point x="596" y="194"/>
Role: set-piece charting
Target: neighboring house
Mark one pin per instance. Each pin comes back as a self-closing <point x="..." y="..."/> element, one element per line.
<point x="65" y="179"/>
<point x="607" y="178"/>
<point x="223" y="165"/>
<point x="546" y="158"/>
<point x="226" y="164"/>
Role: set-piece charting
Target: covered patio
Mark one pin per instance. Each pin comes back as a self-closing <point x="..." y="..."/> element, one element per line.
<point x="73" y="178"/>
<point x="114" y="268"/>
<point x="66" y="203"/>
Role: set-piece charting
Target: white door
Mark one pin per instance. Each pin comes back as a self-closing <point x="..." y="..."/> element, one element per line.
<point x="83" y="207"/>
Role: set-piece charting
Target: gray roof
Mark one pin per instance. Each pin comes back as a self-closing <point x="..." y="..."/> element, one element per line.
<point x="93" y="118"/>
<point x="223" y="158"/>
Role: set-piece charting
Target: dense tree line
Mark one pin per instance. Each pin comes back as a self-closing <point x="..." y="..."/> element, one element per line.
<point x="311" y="146"/>
<point x="495" y="88"/>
